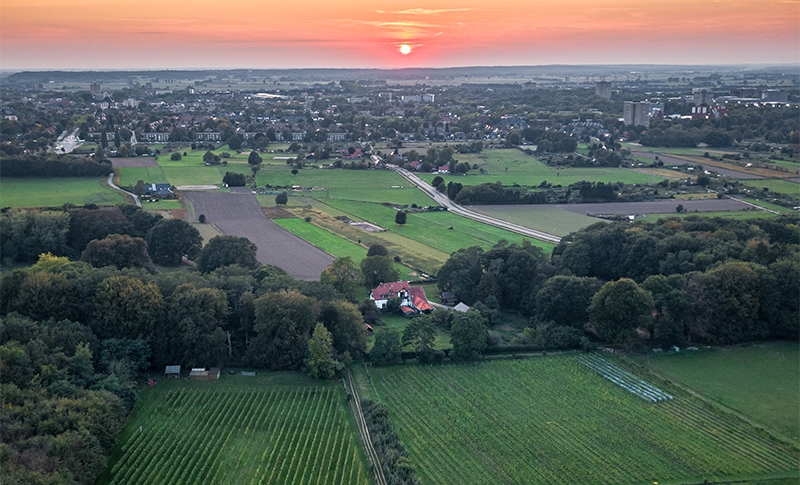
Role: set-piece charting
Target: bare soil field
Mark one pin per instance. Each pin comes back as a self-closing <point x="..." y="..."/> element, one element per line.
<point x="134" y="162"/>
<point x="654" y="207"/>
<point x="240" y="215"/>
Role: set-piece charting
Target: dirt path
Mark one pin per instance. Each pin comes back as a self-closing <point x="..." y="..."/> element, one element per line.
<point x="240" y="215"/>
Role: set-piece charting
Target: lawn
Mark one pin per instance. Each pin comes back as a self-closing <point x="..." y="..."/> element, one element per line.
<point x="761" y="381"/>
<point x="554" y="421"/>
<point x="277" y="428"/>
<point x="540" y="217"/>
<point x="17" y="192"/>
<point x="160" y="205"/>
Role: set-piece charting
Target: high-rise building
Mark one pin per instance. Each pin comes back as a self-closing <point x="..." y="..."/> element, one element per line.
<point x="603" y="89"/>
<point x="95" y="89"/>
<point x="702" y="96"/>
<point x="637" y="113"/>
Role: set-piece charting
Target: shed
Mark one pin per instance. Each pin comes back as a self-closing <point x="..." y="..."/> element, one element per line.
<point x="201" y="374"/>
<point x="448" y="298"/>
<point x="461" y="307"/>
<point x="173" y="371"/>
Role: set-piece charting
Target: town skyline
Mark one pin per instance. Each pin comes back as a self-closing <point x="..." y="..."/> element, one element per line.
<point x="89" y="34"/>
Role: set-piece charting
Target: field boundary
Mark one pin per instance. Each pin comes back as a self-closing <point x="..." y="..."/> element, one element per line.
<point x="363" y="431"/>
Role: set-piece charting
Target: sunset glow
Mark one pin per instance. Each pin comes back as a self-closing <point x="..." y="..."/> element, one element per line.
<point x="64" y="34"/>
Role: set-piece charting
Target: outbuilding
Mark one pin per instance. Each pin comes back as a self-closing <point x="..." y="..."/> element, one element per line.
<point x="173" y="371"/>
<point x="201" y="374"/>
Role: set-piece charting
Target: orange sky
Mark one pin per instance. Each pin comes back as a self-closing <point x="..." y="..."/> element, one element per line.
<point x="132" y="34"/>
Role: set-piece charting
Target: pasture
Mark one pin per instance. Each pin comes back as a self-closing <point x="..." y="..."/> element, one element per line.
<point x="553" y="420"/>
<point x="18" y="192"/>
<point x="276" y="428"/>
<point x="775" y="185"/>
<point x="509" y="166"/>
<point x="761" y="381"/>
<point x="150" y="175"/>
<point x="552" y="220"/>
<point x="330" y="243"/>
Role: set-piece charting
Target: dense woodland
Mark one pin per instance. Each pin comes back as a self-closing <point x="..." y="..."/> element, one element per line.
<point x="94" y="313"/>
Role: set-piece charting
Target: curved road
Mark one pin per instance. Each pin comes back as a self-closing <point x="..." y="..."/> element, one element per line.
<point x="442" y="199"/>
<point x="111" y="183"/>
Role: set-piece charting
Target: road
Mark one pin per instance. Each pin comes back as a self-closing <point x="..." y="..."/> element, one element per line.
<point x="67" y="143"/>
<point x="443" y="200"/>
<point x="111" y="183"/>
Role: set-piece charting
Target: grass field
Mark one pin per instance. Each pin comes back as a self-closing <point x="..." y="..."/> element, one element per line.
<point x="552" y="420"/>
<point x="150" y="175"/>
<point x="433" y="228"/>
<point x="330" y="243"/>
<point x="207" y="231"/>
<point x="276" y="428"/>
<point x="755" y="214"/>
<point x="761" y="381"/>
<point x="540" y="217"/>
<point x="513" y="166"/>
<point x="779" y="186"/>
<point x="775" y="207"/>
<point x="54" y="192"/>
<point x="193" y="175"/>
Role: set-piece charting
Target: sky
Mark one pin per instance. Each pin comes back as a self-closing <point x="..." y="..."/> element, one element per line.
<point x="195" y="34"/>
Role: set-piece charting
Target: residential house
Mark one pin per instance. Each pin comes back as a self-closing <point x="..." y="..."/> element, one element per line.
<point x="412" y="300"/>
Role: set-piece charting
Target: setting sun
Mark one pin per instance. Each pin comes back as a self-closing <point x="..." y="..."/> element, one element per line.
<point x="405" y="49"/>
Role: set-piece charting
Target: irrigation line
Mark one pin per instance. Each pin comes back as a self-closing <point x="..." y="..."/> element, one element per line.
<point x="363" y="431"/>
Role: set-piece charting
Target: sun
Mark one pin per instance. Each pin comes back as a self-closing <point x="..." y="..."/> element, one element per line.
<point x="405" y="49"/>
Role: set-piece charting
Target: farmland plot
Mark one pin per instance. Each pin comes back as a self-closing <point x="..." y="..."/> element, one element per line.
<point x="554" y="420"/>
<point x="256" y="435"/>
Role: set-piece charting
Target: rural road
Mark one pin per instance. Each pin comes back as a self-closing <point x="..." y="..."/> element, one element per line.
<point x="442" y="199"/>
<point x="111" y="183"/>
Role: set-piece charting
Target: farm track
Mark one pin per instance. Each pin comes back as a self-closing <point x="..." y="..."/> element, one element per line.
<point x="361" y="424"/>
<point x="241" y="215"/>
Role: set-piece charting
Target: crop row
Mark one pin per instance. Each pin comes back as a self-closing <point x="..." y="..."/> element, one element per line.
<point x="275" y="436"/>
<point x="553" y="421"/>
<point x="623" y="378"/>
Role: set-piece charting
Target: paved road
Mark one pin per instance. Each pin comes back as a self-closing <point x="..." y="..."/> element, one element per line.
<point x="66" y="143"/>
<point x="111" y="183"/>
<point x="442" y="199"/>
<point x="679" y="161"/>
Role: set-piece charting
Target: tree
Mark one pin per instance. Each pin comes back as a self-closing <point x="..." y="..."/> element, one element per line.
<point x="344" y="275"/>
<point x="197" y="317"/>
<point x="377" y="250"/>
<point x="346" y="326"/>
<point x="126" y="308"/>
<point x="254" y="158"/>
<point x="400" y="217"/>
<point x="320" y="363"/>
<point x="468" y="335"/>
<point x="118" y="251"/>
<point x="172" y="239"/>
<point x="565" y="300"/>
<point x="420" y="332"/>
<point x="377" y="270"/>
<point x="226" y="250"/>
<point x="175" y="156"/>
<point x="210" y="158"/>
<point x="283" y="323"/>
<point x="619" y="308"/>
<point x="281" y="199"/>
<point x="387" y="349"/>
<point x="235" y="142"/>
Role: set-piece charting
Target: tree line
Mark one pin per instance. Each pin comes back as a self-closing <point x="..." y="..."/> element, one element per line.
<point x="50" y="165"/>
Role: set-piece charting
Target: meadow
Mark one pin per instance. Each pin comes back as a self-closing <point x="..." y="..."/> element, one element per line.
<point x="755" y="214"/>
<point x="552" y="420"/>
<point x="775" y="185"/>
<point x="276" y="428"/>
<point x="552" y="220"/>
<point x="510" y="166"/>
<point x="761" y="381"/>
<point x="16" y="192"/>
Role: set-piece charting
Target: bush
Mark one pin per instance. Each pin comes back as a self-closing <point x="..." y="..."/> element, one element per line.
<point x="175" y="156"/>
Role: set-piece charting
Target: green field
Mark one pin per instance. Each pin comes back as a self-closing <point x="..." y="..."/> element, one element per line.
<point x="330" y="243"/>
<point x="761" y="381"/>
<point x="277" y="428"/>
<point x="540" y="217"/>
<point x="775" y="207"/>
<point x="754" y="214"/>
<point x="433" y="228"/>
<point x="16" y="192"/>
<point x="150" y="175"/>
<point x="775" y="185"/>
<point x="552" y="420"/>
<point x="513" y="166"/>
